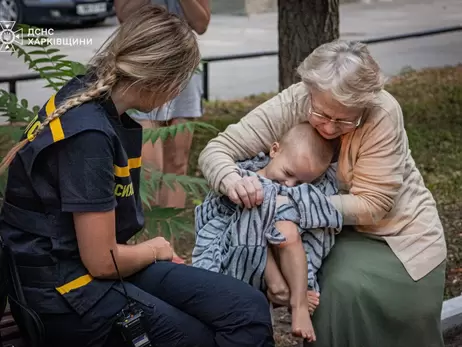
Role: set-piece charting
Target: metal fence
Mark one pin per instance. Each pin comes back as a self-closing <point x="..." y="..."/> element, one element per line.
<point x="12" y="80"/>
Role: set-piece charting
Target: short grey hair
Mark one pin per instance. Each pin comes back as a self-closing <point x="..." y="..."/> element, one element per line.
<point x="345" y="69"/>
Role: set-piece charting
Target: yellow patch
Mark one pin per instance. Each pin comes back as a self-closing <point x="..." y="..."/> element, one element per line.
<point x="123" y="190"/>
<point x="75" y="284"/>
<point x="124" y="171"/>
<point x="56" y="128"/>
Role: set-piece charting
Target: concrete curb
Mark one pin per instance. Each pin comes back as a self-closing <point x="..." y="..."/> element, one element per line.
<point x="451" y="314"/>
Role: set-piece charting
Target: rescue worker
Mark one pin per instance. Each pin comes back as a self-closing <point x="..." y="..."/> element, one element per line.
<point x="72" y="196"/>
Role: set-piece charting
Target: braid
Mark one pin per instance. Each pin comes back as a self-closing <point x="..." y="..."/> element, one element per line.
<point x="102" y="86"/>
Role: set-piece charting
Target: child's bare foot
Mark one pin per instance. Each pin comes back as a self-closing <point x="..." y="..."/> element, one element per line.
<point x="313" y="300"/>
<point x="177" y="259"/>
<point x="301" y="323"/>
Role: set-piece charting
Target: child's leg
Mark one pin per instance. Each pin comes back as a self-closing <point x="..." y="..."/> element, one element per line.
<point x="278" y="291"/>
<point x="295" y="270"/>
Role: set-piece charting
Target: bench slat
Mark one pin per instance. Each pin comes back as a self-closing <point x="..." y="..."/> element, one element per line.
<point x="10" y="331"/>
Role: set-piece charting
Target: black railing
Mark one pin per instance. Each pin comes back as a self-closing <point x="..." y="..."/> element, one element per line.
<point x="12" y="80"/>
<point x="208" y="60"/>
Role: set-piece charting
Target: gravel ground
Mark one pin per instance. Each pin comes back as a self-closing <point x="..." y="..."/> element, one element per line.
<point x="453" y="338"/>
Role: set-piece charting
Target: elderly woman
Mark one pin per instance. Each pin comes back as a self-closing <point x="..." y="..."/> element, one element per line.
<point x="382" y="284"/>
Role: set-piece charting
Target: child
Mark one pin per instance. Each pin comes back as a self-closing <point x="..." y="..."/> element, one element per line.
<point x="291" y="208"/>
<point x="301" y="156"/>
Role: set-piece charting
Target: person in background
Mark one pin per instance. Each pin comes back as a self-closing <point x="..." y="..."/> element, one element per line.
<point x="171" y="156"/>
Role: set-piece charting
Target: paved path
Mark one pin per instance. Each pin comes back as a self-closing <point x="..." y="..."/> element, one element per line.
<point x="233" y="34"/>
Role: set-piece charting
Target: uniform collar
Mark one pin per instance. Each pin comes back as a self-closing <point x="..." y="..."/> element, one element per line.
<point x="106" y="102"/>
<point x="109" y="107"/>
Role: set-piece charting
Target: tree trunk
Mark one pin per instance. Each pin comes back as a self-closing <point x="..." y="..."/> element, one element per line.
<point x="303" y="26"/>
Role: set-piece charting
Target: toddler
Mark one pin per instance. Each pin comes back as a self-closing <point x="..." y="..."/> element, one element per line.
<point x="300" y="157"/>
<point x="275" y="246"/>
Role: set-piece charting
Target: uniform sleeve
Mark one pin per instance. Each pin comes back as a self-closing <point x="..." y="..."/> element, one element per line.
<point x="86" y="173"/>
<point x="254" y="133"/>
<point x="377" y="175"/>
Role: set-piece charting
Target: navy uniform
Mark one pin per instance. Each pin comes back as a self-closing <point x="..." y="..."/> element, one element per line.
<point x="89" y="160"/>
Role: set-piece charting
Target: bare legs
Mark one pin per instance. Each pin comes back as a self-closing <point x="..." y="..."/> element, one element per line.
<point x="278" y="291"/>
<point x="169" y="156"/>
<point x="288" y="286"/>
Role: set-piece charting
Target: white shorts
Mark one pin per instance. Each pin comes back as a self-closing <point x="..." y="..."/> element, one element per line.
<point x="186" y="105"/>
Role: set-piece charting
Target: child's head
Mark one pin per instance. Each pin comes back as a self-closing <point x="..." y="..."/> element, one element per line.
<point x="301" y="156"/>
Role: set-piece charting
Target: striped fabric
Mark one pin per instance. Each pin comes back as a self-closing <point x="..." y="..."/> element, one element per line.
<point x="234" y="240"/>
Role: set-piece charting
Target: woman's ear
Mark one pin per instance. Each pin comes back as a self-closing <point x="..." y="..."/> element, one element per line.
<point x="274" y="149"/>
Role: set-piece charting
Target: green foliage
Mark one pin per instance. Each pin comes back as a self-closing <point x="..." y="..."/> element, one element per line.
<point x="195" y="187"/>
<point x="167" y="222"/>
<point x="163" y="133"/>
<point x="56" y="69"/>
<point x="49" y="62"/>
<point x="16" y="110"/>
<point x="45" y="60"/>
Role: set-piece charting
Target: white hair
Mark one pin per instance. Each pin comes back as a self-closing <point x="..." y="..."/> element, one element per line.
<point x="346" y="70"/>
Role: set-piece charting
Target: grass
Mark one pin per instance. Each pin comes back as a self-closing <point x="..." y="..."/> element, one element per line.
<point x="431" y="100"/>
<point x="432" y="105"/>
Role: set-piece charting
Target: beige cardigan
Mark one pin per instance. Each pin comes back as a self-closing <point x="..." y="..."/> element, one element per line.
<point x="381" y="190"/>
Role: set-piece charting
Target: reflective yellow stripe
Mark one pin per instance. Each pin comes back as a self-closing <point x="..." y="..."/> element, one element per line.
<point x="134" y="163"/>
<point x="77" y="283"/>
<point x="55" y="125"/>
<point x="32" y="122"/>
<point x="124" y="171"/>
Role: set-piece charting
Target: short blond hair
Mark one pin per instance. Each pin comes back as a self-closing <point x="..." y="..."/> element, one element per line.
<point x="306" y="138"/>
<point x="346" y="70"/>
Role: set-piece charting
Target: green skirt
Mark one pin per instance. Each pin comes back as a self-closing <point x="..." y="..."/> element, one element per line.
<point x="369" y="300"/>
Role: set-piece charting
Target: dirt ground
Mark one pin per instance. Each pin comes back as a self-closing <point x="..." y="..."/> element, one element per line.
<point x="453" y="338"/>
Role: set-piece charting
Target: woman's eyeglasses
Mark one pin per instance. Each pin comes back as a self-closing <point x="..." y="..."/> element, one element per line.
<point x="342" y="123"/>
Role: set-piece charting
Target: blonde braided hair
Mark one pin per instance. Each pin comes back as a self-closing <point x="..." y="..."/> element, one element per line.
<point x="154" y="50"/>
<point x="87" y="95"/>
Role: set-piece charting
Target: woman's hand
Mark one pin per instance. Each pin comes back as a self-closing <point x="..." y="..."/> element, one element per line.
<point x="245" y="191"/>
<point x="161" y="247"/>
